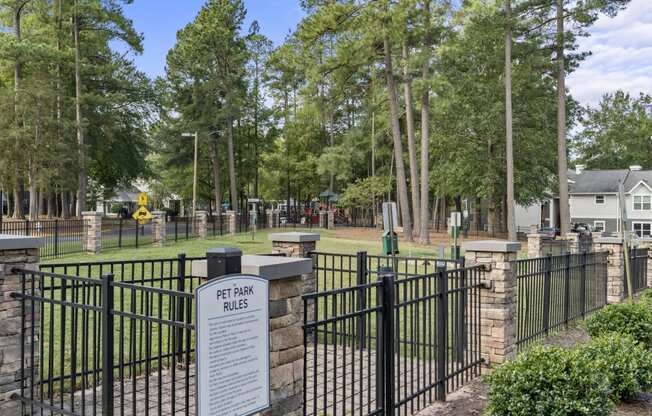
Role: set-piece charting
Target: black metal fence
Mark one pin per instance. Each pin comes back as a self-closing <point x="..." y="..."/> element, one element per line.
<point x="338" y="270"/>
<point x="217" y="225"/>
<point x="392" y="345"/>
<point x="61" y="236"/>
<point x="638" y="258"/>
<point x="125" y="233"/>
<point x="181" y="228"/>
<point x="114" y="338"/>
<point x="555" y="290"/>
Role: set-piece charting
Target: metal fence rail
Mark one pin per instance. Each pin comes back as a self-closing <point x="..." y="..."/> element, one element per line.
<point x="181" y="228"/>
<point x="337" y="270"/>
<point x="638" y="258"/>
<point x="217" y="225"/>
<point x="392" y="343"/>
<point x="124" y="233"/>
<point x="61" y="236"/>
<point x="555" y="290"/>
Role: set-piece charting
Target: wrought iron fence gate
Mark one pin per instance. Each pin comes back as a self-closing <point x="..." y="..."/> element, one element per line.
<point x="392" y="344"/>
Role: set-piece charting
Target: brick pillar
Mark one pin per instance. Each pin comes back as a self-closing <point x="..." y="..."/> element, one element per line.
<point x="331" y="219"/>
<point x="202" y="224"/>
<point x="323" y="219"/>
<point x="21" y="252"/>
<point x="534" y="245"/>
<point x="615" y="267"/>
<point x="498" y="299"/>
<point x="296" y="245"/>
<point x="93" y="235"/>
<point x="231" y="222"/>
<point x="574" y="245"/>
<point x="270" y="218"/>
<point x="159" y="229"/>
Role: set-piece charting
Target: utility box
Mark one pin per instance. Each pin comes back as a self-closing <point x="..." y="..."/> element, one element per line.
<point x="390" y="243"/>
<point x="222" y="261"/>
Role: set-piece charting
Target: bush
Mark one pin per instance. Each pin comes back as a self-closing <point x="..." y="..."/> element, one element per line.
<point x="623" y="362"/>
<point x="646" y="297"/>
<point x="549" y="381"/>
<point x="634" y="319"/>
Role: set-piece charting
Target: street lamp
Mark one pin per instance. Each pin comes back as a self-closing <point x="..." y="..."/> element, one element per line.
<point x="194" y="173"/>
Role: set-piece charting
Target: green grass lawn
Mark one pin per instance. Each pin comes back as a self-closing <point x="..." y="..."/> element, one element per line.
<point x="258" y="245"/>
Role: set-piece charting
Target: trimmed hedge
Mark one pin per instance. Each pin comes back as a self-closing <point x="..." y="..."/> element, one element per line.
<point x="626" y="364"/>
<point x="634" y="319"/>
<point x="552" y="382"/>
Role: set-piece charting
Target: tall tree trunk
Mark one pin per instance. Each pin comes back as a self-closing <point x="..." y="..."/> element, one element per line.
<point x="65" y="204"/>
<point x="412" y="151"/>
<point x="82" y="176"/>
<point x="562" y="163"/>
<point x="509" y="150"/>
<point x="396" y="136"/>
<point x="18" y="122"/>
<point x="217" y="181"/>
<point x="424" y="235"/>
<point x="18" y="200"/>
<point x="232" y="177"/>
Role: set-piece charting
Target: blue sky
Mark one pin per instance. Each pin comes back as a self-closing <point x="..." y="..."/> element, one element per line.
<point x="159" y="21"/>
<point x="622" y="46"/>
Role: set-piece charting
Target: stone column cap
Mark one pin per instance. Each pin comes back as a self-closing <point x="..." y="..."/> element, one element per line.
<point x="609" y="240"/>
<point x="224" y="252"/>
<point x="294" y="237"/>
<point x="494" y="246"/>
<point x="267" y="267"/>
<point x="92" y="214"/>
<point x="201" y="212"/>
<point x="16" y="242"/>
<point x="535" y="235"/>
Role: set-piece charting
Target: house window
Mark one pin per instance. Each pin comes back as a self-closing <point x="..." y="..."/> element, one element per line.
<point x="598" y="226"/>
<point x="642" y="229"/>
<point x="642" y="202"/>
<point x="599" y="199"/>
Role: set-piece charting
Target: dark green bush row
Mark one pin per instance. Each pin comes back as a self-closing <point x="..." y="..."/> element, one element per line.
<point x="588" y="380"/>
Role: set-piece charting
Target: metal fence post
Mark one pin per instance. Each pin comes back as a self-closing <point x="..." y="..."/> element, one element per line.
<point x="137" y="232"/>
<point x="567" y="289"/>
<point x="442" y="315"/>
<point x="120" y="233"/>
<point x="361" y="279"/>
<point x="27" y="227"/>
<point x="107" y="344"/>
<point x="385" y="355"/>
<point x="546" y="293"/>
<point x="56" y="237"/>
<point x="583" y="283"/>
<point x="181" y="287"/>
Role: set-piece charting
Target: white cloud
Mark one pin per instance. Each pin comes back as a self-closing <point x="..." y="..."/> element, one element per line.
<point x="622" y="55"/>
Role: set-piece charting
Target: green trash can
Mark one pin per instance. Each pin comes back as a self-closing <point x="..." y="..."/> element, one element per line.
<point x="390" y="241"/>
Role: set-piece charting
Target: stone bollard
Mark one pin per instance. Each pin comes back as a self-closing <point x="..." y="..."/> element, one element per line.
<point x="22" y="252"/>
<point x="331" y="219"/>
<point x="323" y="219"/>
<point x="497" y="299"/>
<point x="270" y="218"/>
<point x="286" y="355"/>
<point x="615" y="267"/>
<point x="231" y="222"/>
<point x="159" y="229"/>
<point x="202" y="224"/>
<point x="93" y="235"/>
<point x="574" y="245"/>
<point x="534" y="245"/>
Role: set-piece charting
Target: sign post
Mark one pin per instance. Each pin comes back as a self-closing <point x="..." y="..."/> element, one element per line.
<point x="456" y="222"/>
<point x="232" y="346"/>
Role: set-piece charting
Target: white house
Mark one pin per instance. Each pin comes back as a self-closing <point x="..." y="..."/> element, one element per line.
<point x="594" y="199"/>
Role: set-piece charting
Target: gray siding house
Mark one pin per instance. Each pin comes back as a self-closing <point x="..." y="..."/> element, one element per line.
<point x="594" y="199"/>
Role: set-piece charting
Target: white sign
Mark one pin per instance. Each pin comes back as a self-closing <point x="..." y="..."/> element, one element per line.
<point x="456" y="219"/>
<point x="232" y="346"/>
<point x="389" y="209"/>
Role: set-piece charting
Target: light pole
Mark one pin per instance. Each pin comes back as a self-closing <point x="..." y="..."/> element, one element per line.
<point x="194" y="173"/>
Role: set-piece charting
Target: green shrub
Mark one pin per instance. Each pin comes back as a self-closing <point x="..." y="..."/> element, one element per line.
<point x="624" y="363"/>
<point x="551" y="382"/>
<point x="646" y="297"/>
<point x="634" y="319"/>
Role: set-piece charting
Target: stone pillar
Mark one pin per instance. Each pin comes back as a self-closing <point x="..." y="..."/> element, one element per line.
<point x="21" y="252"/>
<point x="534" y="245"/>
<point x="231" y="222"/>
<point x="497" y="299"/>
<point x="331" y="219"/>
<point x="159" y="229"/>
<point x="277" y="218"/>
<point x="574" y="245"/>
<point x="297" y="245"/>
<point x="323" y="219"/>
<point x="202" y="224"/>
<point x="615" y="267"/>
<point x="93" y="235"/>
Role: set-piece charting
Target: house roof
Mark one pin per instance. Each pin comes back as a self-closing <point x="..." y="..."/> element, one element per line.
<point x="600" y="181"/>
<point x="637" y="176"/>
